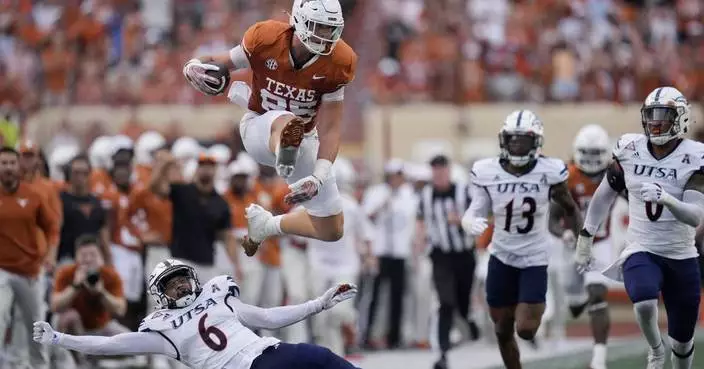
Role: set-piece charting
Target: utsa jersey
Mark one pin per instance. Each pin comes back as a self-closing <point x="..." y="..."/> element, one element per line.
<point x="520" y="206"/>
<point x="653" y="226"/>
<point x="207" y="333"/>
<point x="582" y="188"/>
<point x="277" y="85"/>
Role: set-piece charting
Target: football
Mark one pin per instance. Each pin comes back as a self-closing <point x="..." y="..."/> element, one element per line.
<point x="223" y="75"/>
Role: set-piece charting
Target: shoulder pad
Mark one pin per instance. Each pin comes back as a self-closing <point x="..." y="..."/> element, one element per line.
<point x="262" y="34"/>
<point x="626" y="143"/>
<point x="344" y="60"/>
<point x="483" y="171"/>
<point x="556" y="170"/>
<point x="221" y="285"/>
<point x="156" y="321"/>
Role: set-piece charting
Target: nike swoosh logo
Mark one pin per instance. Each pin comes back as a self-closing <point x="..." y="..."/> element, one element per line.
<point x="315" y="76"/>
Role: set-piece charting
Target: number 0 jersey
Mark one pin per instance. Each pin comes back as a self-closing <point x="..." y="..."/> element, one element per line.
<point x="277" y="85"/>
<point x="520" y="206"/>
<point x="208" y="333"/>
<point x="653" y="226"/>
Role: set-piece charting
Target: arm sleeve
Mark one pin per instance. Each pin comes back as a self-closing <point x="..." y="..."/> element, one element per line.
<point x="122" y="344"/>
<point x="239" y="57"/>
<point x="600" y="206"/>
<point x="277" y="317"/>
<point x="481" y="202"/>
<point x="690" y="209"/>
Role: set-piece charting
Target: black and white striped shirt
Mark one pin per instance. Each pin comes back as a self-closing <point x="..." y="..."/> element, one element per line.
<point x="433" y="209"/>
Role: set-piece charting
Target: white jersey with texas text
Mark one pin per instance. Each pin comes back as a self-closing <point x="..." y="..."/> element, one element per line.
<point x="652" y="226"/>
<point x="520" y="206"/>
<point x="208" y="333"/>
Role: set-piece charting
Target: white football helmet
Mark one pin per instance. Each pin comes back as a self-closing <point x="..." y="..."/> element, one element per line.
<point x="318" y="24"/>
<point x="344" y="174"/>
<point x="145" y="146"/>
<point x="186" y="148"/>
<point x="162" y="273"/>
<point x="251" y="165"/>
<point x="58" y="160"/>
<point x="668" y="112"/>
<point x="521" y="138"/>
<point x="592" y="149"/>
<point x="99" y="152"/>
<point x="221" y="153"/>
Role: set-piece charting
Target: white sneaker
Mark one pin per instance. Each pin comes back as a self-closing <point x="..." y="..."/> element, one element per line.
<point x="656" y="357"/>
<point x="258" y="227"/>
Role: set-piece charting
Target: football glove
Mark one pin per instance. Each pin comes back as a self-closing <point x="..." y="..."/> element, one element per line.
<point x="335" y="295"/>
<point x="303" y="190"/>
<point x="653" y="192"/>
<point x="44" y="334"/>
<point x="583" y="251"/>
<point x="195" y="73"/>
<point x="474" y="226"/>
<point x="568" y="239"/>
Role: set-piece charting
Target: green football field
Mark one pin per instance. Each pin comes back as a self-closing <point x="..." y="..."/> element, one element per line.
<point x="630" y="355"/>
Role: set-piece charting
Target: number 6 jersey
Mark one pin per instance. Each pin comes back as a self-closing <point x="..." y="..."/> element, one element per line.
<point x="208" y="333"/>
<point x="520" y="206"/>
<point x="653" y="226"/>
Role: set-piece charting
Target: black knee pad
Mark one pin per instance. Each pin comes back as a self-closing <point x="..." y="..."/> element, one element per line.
<point x="526" y="334"/>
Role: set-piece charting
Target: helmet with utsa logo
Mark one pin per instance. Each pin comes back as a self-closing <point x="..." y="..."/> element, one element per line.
<point x="318" y="24"/>
<point x="162" y="274"/>
<point x="665" y="115"/>
<point x="521" y="138"/>
<point x="592" y="149"/>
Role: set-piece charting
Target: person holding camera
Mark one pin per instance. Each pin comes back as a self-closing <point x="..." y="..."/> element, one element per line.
<point x="88" y="293"/>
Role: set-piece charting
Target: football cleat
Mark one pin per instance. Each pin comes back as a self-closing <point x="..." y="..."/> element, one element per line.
<point x="257" y="228"/>
<point x="290" y="142"/>
<point x="656" y="357"/>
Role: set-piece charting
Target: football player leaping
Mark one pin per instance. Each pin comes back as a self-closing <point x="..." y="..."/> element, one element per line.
<point x="662" y="173"/>
<point x="518" y="187"/>
<point x="294" y="112"/>
<point x="591" y="156"/>
<point x="209" y="327"/>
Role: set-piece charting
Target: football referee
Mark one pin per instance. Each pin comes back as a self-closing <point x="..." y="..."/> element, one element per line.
<point x="440" y="209"/>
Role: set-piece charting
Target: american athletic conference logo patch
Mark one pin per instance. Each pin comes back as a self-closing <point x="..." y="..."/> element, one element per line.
<point x="271" y="64"/>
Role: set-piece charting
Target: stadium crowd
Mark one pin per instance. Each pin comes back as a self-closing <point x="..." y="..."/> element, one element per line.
<point x="108" y="212"/>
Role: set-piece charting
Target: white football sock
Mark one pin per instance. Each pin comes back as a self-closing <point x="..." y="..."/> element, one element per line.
<point x="274" y="226"/>
<point x="647" y="317"/>
<point x="599" y="356"/>
<point x="682" y="354"/>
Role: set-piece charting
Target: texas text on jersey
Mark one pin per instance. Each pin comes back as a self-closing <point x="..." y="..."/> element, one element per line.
<point x="201" y="331"/>
<point x="520" y="206"/>
<point x="582" y="188"/>
<point x="279" y="85"/>
<point x="651" y="225"/>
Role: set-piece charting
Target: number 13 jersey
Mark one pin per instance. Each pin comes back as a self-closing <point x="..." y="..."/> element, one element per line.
<point x="208" y="333"/>
<point x="520" y="206"/>
<point x="277" y="85"/>
<point x="650" y="225"/>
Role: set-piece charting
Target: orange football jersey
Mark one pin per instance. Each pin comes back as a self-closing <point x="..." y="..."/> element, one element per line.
<point x="582" y="188"/>
<point x="277" y="85"/>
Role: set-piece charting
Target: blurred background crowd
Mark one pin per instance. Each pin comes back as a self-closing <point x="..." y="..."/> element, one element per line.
<point x="55" y="52"/>
<point x="75" y="53"/>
